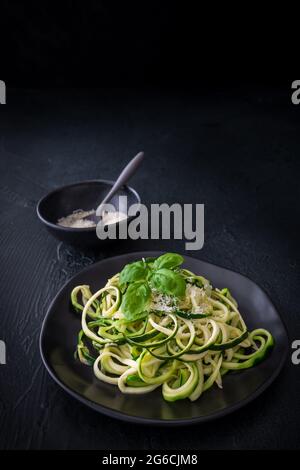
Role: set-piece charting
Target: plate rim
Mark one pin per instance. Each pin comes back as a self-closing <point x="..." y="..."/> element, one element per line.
<point x="156" y="421"/>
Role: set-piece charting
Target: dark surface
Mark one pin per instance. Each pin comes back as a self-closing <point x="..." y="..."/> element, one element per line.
<point x="59" y="339"/>
<point x="92" y="42"/>
<point x="129" y="43"/>
<point x="237" y="152"/>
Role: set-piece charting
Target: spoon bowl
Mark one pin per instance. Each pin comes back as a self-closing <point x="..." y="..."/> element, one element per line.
<point x="85" y="195"/>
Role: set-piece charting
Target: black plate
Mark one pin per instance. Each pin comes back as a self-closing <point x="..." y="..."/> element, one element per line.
<point x="58" y="342"/>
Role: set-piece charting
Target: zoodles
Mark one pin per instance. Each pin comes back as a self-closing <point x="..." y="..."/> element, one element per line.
<point x="155" y="324"/>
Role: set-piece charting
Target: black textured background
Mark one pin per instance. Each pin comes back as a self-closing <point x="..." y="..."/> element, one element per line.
<point x="234" y="149"/>
<point x="223" y="139"/>
<point x="111" y="43"/>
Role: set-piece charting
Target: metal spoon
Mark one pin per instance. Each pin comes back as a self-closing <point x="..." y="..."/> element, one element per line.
<point x="124" y="176"/>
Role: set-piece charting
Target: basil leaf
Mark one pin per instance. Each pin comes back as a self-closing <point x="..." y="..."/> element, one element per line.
<point x="135" y="300"/>
<point x="133" y="272"/>
<point x="168" y="260"/>
<point x="168" y="282"/>
<point x="149" y="260"/>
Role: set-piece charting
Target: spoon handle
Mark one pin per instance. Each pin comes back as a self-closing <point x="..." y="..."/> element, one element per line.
<point x="125" y="175"/>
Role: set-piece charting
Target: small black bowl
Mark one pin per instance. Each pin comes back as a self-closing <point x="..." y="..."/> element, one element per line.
<point x="85" y="195"/>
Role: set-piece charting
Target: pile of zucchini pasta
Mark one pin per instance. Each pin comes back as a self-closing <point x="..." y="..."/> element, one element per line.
<point x="155" y="324"/>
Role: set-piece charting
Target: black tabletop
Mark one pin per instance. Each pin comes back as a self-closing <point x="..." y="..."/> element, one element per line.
<point x="236" y="151"/>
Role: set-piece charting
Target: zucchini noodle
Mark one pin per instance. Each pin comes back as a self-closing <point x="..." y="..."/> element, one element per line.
<point x="184" y="345"/>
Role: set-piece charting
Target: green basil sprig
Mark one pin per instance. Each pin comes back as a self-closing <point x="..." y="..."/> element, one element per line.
<point x="135" y="300"/>
<point x="168" y="282"/>
<point x="133" y="272"/>
<point x="169" y="261"/>
<point x="139" y="277"/>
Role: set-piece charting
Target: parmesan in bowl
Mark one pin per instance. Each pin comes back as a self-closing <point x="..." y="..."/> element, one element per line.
<point x="79" y="219"/>
<point x="68" y="212"/>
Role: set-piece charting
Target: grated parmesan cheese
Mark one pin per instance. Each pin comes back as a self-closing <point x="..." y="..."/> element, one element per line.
<point x="162" y="302"/>
<point x="77" y="219"/>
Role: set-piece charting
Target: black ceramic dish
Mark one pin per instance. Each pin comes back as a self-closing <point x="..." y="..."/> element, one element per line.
<point x="59" y="336"/>
<point x="85" y="195"/>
